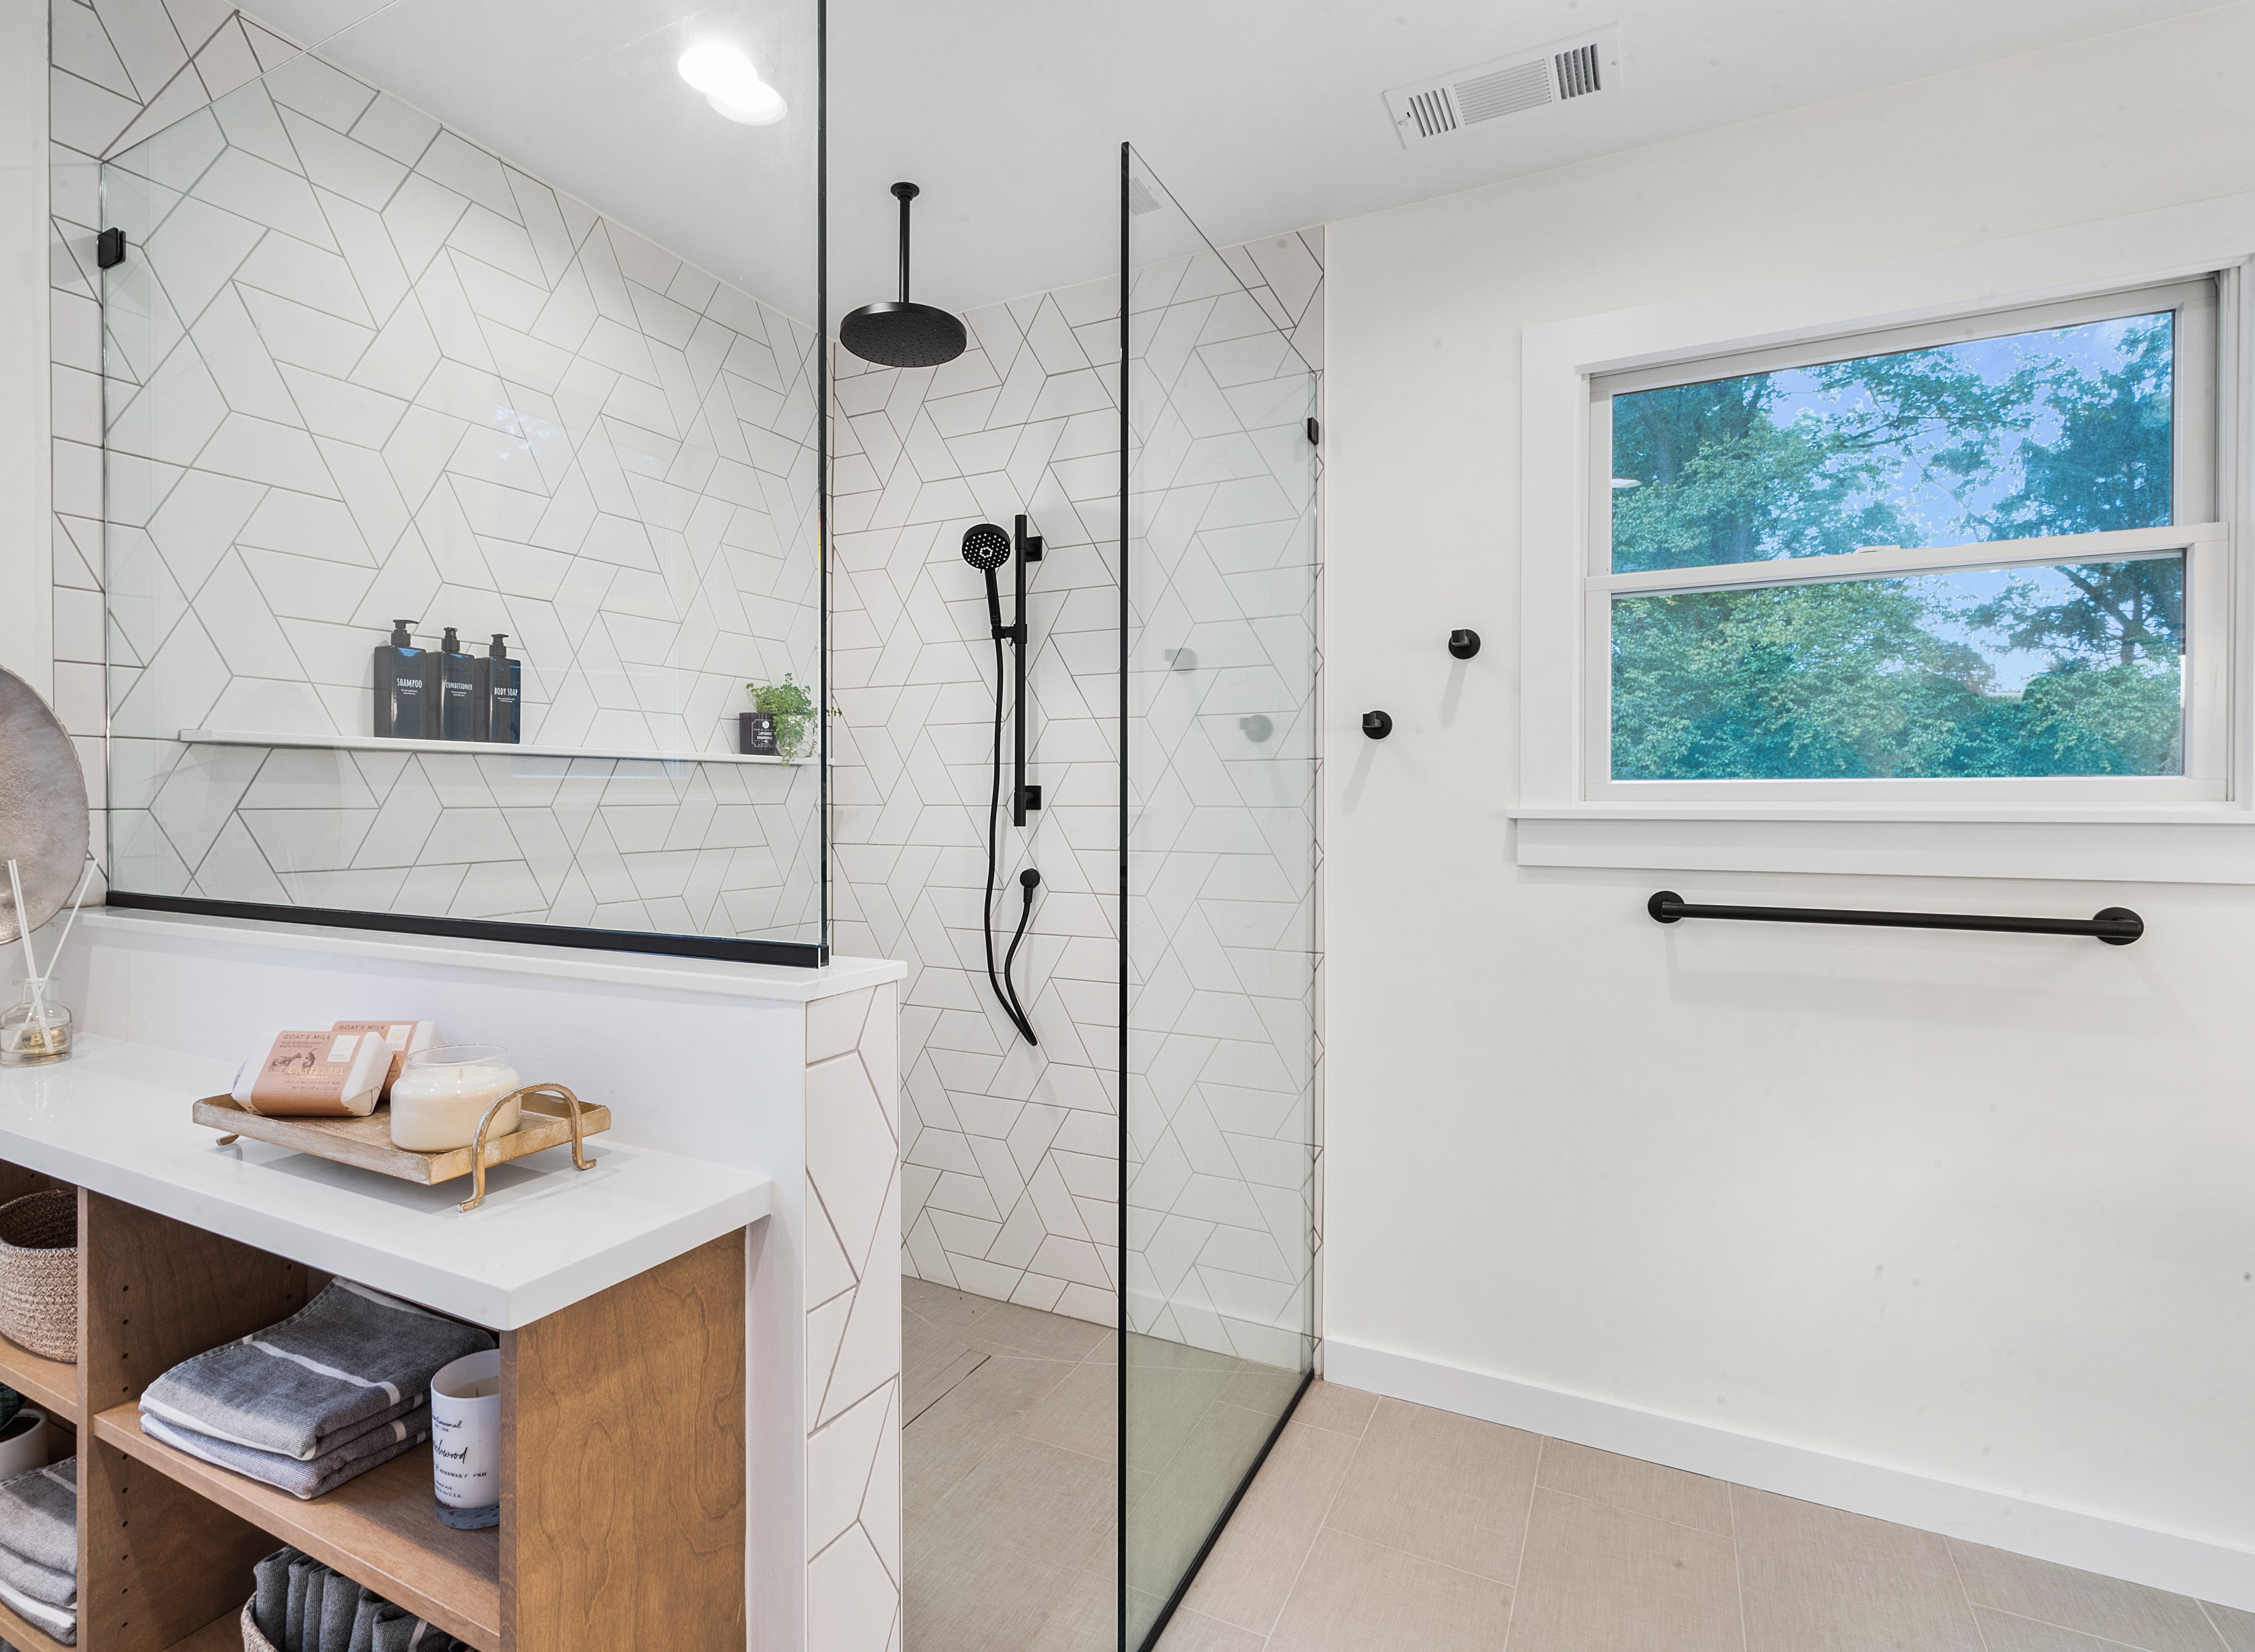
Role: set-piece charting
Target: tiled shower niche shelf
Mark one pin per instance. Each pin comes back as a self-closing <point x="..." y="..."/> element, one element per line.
<point x="479" y="748"/>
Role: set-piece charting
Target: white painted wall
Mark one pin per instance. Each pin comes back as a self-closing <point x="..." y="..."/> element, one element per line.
<point x="26" y="569"/>
<point x="1981" y="1209"/>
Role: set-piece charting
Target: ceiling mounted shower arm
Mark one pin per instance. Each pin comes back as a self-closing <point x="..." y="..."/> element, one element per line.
<point x="905" y="192"/>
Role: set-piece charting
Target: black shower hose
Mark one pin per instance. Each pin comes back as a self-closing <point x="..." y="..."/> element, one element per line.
<point x="1005" y="993"/>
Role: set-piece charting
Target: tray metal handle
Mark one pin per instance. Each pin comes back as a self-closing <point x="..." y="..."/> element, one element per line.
<point x="579" y="1159"/>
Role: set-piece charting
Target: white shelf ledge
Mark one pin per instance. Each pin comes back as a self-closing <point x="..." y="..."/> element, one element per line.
<point x="489" y="748"/>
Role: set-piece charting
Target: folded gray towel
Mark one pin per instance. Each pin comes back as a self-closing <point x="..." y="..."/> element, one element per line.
<point x="38" y="1533"/>
<point x="270" y="1600"/>
<point x="302" y="1605"/>
<point x="370" y="1448"/>
<point x="372" y="1607"/>
<point x="307" y="1576"/>
<point x="59" y="1621"/>
<point x="349" y="1358"/>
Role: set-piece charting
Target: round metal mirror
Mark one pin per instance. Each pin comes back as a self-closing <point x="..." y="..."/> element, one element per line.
<point x="43" y="809"/>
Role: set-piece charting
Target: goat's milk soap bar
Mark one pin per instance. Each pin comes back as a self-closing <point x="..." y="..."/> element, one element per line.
<point x="403" y="1037"/>
<point x="303" y="1075"/>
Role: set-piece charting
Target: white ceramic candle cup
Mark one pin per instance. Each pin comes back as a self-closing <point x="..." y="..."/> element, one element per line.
<point x="24" y="1443"/>
<point x="466" y="1432"/>
<point x="443" y="1093"/>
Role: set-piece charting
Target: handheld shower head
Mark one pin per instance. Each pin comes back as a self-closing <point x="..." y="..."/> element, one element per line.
<point x="987" y="547"/>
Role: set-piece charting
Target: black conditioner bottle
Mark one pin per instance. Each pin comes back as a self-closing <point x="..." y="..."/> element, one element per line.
<point x="457" y="690"/>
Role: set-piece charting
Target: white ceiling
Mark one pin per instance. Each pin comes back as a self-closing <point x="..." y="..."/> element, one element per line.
<point x="1263" y="116"/>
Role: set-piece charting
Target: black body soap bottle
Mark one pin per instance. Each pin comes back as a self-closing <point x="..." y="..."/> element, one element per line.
<point x="405" y="704"/>
<point x="500" y="714"/>
<point x="457" y="690"/>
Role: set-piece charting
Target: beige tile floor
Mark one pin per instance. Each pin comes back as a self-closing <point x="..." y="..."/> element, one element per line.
<point x="1376" y="1526"/>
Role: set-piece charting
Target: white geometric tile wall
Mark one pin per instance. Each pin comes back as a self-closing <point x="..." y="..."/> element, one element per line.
<point x="1012" y="1164"/>
<point x="118" y="72"/>
<point x="1011" y="1175"/>
<point x="853" y="1296"/>
<point x="359" y="369"/>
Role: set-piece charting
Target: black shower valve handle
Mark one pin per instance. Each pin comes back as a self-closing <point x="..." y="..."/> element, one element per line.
<point x="1377" y="724"/>
<point x="1463" y="644"/>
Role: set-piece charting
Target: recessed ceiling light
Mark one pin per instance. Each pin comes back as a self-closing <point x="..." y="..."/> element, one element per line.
<point x="732" y="84"/>
<point x="763" y="107"/>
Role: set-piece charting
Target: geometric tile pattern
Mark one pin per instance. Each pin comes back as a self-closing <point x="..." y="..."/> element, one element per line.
<point x="1222" y="723"/>
<point x="358" y="368"/>
<point x="118" y="72"/>
<point x="852" y="1297"/>
<point x="1012" y="1159"/>
<point x="1011" y="1173"/>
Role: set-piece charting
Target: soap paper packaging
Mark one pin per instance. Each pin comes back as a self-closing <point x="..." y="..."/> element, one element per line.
<point x="313" y="1075"/>
<point x="401" y="1037"/>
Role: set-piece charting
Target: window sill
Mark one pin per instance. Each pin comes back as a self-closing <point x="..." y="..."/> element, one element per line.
<point x="2192" y="843"/>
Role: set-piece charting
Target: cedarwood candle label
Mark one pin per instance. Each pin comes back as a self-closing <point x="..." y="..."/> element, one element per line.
<point x="466" y="1432"/>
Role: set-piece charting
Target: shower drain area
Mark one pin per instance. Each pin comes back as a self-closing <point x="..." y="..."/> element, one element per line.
<point x="1011" y="1460"/>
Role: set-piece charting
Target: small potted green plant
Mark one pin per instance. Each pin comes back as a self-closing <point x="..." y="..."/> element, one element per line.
<point x="779" y="722"/>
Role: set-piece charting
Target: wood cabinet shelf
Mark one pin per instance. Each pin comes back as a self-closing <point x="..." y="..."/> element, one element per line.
<point x="50" y="1385"/>
<point x="380" y="1529"/>
<point x="622" y="1457"/>
<point x="220" y="1635"/>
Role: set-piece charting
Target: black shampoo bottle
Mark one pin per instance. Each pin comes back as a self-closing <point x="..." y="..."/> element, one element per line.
<point x="404" y="699"/>
<point x="500" y="715"/>
<point x="457" y="690"/>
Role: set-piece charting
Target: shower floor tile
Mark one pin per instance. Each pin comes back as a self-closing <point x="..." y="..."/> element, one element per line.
<point x="1012" y="1499"/>
<point x="1376" y="1526"/>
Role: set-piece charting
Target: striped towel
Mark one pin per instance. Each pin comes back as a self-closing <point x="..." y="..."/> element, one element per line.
<point x="349" y="1360"/>
<point x="371" y="1448"/>
<point x="38" y="1547"/>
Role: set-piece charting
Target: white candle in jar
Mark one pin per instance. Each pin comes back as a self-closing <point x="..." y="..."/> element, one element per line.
<point x="442" y="1094"/>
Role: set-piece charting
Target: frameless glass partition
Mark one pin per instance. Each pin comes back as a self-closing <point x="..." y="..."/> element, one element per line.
<point x="1219" y="739"/>
<point x="465" y="466"/>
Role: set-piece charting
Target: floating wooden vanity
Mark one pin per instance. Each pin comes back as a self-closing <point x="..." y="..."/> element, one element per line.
<point x="619" y="1299"/>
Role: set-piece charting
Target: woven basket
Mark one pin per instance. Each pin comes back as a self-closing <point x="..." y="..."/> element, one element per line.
<point x="252" y="1640"/>
<point x="38" y="1273"/>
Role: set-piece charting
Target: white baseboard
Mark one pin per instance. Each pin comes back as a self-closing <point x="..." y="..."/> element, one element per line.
<point x="2160" y="1559"/>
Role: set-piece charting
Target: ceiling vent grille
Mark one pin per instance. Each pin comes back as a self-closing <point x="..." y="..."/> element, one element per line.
<point x="1448" y="105"/>
<point x="1577" y="71"/>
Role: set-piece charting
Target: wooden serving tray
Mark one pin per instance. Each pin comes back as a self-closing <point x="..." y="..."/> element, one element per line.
<point x="550" y="1116"/>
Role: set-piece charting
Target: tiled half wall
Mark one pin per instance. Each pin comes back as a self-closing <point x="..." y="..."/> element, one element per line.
<point x="1012" y="1158"/>
<point x="359" y="369"/>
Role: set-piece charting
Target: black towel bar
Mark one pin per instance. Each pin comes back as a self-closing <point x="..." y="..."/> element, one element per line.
<point x="2115" y="926"/>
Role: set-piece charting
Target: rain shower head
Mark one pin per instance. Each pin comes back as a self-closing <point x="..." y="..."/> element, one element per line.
<point x="904" y="334"/>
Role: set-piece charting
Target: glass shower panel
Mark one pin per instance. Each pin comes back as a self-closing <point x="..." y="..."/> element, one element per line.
<point x="443" y="322"/>
<point x="1218" y="707"/>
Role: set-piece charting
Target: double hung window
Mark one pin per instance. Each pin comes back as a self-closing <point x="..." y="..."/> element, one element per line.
<point x="1972" y="561"/>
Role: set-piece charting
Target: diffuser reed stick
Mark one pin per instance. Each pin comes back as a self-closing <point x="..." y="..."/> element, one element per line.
<point x="61" y="941"/>
<point x="23" y="923"/>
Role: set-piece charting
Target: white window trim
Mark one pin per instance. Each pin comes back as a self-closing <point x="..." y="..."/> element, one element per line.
<point x="1560" y="821"/>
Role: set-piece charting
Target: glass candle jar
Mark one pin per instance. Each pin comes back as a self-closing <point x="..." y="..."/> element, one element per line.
<point x="441" y="1093"/>
<point x="35" y="1029"/>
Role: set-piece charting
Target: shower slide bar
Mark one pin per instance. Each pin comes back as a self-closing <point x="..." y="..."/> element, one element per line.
<point x="2115" y="926"/>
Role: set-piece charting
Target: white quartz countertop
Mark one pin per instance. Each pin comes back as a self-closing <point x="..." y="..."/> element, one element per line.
<point x="115" y="1118"/>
